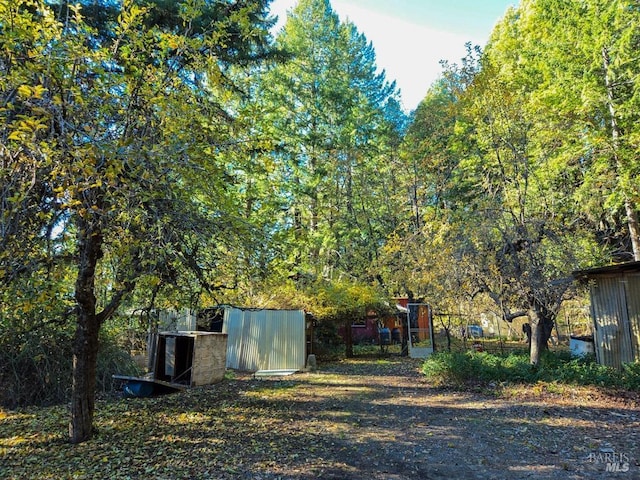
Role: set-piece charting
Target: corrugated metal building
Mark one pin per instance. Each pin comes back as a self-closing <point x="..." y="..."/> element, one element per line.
<point x="615" y="310"/>
<point x="177" y="320"/>
<point x="265" y="339"/>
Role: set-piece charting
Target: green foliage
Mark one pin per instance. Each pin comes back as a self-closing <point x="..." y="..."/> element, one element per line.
<point x="576" y="61"/>
<point x="113" y="162"/>
<point x="36" y="367"/>
<point x="123" y="137"/>
<point x="329" y="300"/>
<point x="149" y="159"/>
<point x="445" y="368"/>
<point x="461" y="367"/>
<point x="345" y="300"/>
<point x="113" y="359"/>
<point x="335" y="138"/>
<point x="631" y="375"/>
<point x="517" y="164"/>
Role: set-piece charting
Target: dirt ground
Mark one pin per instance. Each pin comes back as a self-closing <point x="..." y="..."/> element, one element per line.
<point x="359" y="419"/>
<point x="382" y="420"/>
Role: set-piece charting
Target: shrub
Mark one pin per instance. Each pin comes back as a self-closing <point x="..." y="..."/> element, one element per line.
<point x="584" y="371"/>
<point x="113" y="359"/>
<point x="631" y="375"/>
<point x="460" y="367"/>
<point x="450" y="367"/>
<point x="518" y="369"/>
<point x="35" y="368"/>
<point x="457" y="368"/>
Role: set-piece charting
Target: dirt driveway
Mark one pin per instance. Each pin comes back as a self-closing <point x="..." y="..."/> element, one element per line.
<point x="381" y="420"/>
<point x="361" y="419"/>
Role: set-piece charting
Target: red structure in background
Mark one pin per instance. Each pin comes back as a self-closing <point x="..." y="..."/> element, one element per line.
<point x="367" y="330"/>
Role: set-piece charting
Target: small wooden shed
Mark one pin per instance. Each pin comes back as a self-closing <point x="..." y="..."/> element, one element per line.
<point x="615" y="311"/>
<point x="190" y="358"/>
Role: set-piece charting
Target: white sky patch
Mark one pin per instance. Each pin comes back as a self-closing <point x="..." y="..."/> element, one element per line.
<point x="409" y="53"/>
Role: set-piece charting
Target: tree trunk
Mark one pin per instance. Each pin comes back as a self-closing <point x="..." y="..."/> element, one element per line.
<point x="634" y="228"/>
<point x="541" y="328"/>
<point x="404" y="350"/>
<point x="448" y="334"/>
<point x="85" y="348"/>
<point x="535" y="349"/>
<point x="616" y="133"/>
<point x="85" y="355"/>
<point x="348" y="338"/>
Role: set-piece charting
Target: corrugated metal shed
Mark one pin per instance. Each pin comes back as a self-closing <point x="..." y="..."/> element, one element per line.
<point x="174" y="320"/>
<point x="265" y="339"/>
<point x="615" y="310"/>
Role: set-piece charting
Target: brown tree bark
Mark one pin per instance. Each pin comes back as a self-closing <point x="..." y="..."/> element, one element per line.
<point x="535" y="349"/>
<point x="85" y="348"/>
<point x="348" y="338"/>
<point x="541" y="328"/>
<point x="88" y="323"/>
<point x="85" y="354"/>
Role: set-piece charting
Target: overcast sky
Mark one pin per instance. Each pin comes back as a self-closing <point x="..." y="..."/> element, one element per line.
<point x="412" y="36"/>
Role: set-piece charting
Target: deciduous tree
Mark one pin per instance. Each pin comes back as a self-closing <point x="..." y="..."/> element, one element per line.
<point x="111" y="151"/>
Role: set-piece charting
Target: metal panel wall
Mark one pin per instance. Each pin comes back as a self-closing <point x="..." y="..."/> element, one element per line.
<point x="179" y="321"/>
<point x="612" y="329"/>
<point x="265" y="339"/>
<point x="632" y="285"/>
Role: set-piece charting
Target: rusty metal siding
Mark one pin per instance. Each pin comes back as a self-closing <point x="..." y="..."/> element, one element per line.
<point x="609" y="309"/>
<point x="265" y="339"/>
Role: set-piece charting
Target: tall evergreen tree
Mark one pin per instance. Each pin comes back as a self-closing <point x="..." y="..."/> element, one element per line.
<point x="330" y="107"/>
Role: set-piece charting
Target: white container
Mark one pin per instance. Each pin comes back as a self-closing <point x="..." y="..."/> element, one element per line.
<point x="581" y="346"/>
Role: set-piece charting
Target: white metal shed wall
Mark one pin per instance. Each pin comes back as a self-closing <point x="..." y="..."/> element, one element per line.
<point x="265" y="339"/>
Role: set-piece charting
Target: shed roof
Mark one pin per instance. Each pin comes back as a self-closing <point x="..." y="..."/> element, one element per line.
<point x="608" y="270"/>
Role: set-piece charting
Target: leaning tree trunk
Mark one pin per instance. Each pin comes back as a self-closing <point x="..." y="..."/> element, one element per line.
<point x="85" y="348"/>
